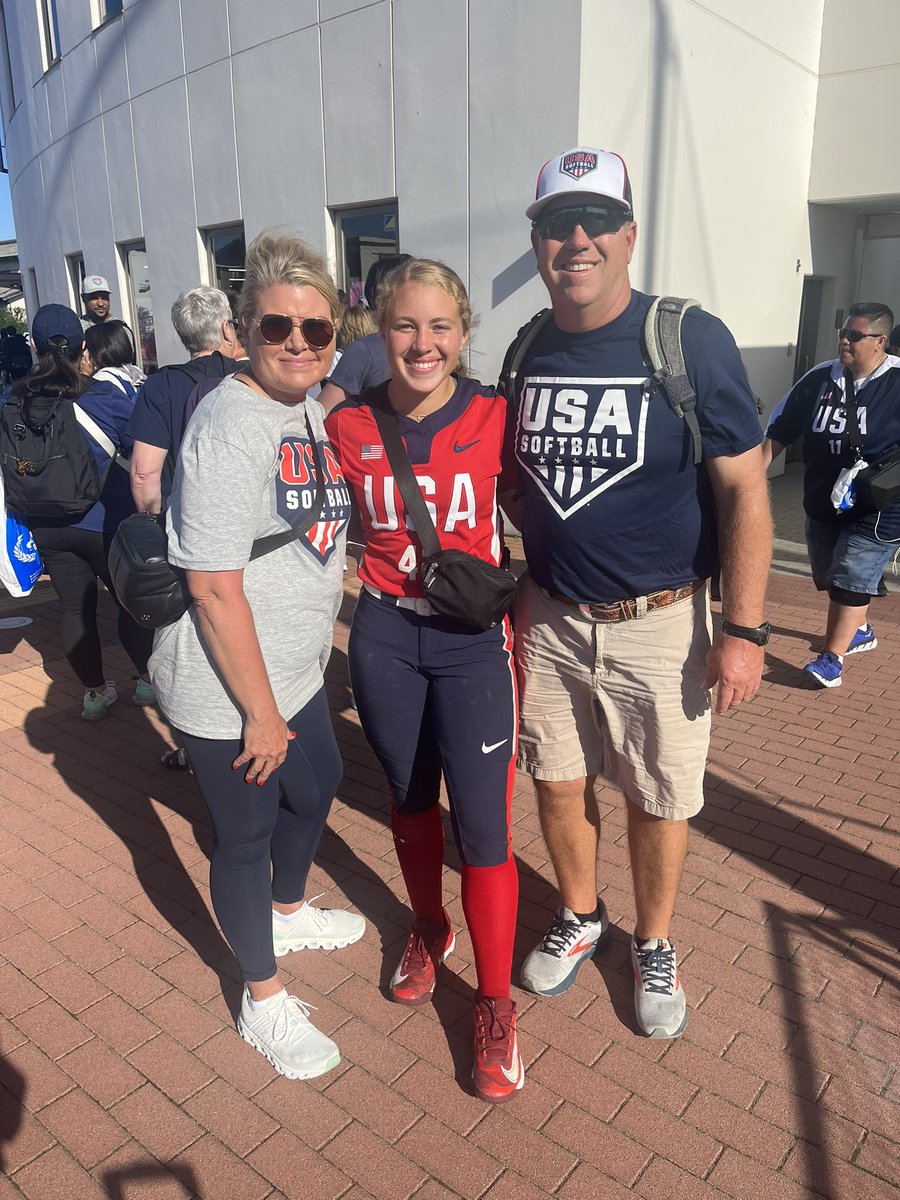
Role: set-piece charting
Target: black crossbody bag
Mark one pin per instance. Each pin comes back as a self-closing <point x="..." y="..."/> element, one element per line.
<point x="153" y="591"/>
<point x="458" y="585"/>
<point x="877" y="486"/>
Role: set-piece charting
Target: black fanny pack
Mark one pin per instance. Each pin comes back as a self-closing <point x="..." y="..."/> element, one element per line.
<point x="458" y="585"/>
<point x="153" y="591"/>
<point x="878" y="486"/>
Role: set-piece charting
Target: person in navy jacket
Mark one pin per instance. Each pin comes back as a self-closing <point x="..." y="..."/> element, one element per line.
<point x="74" y="549"/>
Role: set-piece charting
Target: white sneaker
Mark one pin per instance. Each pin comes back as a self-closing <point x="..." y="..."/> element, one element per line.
<point x="95" y="704"/>
<point x="316" y="929"/>
<point x="659" y="1003"/>
<point x="283" y="1033"/>
<point x="551" y="967"/>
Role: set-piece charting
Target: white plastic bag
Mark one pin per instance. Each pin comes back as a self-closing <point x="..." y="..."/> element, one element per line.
<point x="843" y="494"/>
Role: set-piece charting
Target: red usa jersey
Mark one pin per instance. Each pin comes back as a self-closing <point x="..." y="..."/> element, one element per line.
<point x="456" y="456"/>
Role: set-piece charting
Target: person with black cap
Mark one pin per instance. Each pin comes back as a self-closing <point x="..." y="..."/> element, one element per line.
<point x="74" y="548"/>
<point x="621" y="527"/>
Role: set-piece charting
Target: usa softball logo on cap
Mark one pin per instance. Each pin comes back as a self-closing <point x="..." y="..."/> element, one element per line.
<point x="578" y="163"/>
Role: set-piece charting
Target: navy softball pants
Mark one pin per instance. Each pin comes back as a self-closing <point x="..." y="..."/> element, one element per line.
<point x="265" y="838"/>
<point x="434" y="696"/>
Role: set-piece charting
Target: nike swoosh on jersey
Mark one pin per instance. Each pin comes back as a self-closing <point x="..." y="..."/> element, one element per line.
<point x="485" y="749"/>
<point x="458" y="449"/>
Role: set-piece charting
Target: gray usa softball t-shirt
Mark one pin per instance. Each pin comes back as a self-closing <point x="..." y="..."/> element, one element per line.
<point x="245" y="470"/>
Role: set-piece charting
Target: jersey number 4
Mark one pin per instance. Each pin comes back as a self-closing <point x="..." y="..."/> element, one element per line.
<point x="408" y="562"/>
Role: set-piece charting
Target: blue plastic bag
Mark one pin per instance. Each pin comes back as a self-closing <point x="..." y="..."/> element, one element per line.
<point x="20" y="563"/>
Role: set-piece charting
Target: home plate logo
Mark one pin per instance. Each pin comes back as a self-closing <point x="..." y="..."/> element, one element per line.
<point x="577" y="438"/>
<point x="578" y="163"/>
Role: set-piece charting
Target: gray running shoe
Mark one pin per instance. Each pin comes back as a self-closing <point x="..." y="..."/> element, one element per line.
<point x="551" y="967"/>
<point x="283" y="1033"/>
<point x="317" y="929"/>
<point x="659" y="1003"/>
<point x="95" y="704"/>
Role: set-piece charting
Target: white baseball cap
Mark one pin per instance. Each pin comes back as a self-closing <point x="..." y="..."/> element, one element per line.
<point x="92" y="284"/>
<point x="582" y="172"/>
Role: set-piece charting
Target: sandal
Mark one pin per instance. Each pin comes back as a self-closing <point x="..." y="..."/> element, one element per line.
<point x="176" y="760"/>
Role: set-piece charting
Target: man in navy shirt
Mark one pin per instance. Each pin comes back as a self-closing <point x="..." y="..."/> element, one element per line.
<point x="203" y="321"/>
<point x="621" y="531"/>
<point x="848" y="550"/>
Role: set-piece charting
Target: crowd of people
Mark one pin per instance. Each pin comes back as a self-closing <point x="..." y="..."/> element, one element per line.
<point x="608" y="666"/>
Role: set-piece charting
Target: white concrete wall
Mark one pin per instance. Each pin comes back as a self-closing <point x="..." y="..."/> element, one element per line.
<point x="712" y="107"/>
<point x="185" y="115"/>
<point x="853" y="152"/>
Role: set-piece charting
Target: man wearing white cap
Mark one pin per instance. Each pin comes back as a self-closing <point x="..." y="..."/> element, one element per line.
<point x="622" y="528"/>
<point x="95" y="294"/>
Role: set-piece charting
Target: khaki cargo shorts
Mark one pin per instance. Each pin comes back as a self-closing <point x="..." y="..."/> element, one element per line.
<point x="626" y="699"/>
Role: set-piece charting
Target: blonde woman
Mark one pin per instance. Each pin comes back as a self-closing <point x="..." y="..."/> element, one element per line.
<point x="240" y="675"/>
<point x="437" y="698"/>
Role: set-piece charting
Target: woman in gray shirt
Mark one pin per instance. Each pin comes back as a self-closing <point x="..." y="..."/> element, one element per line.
<point x="240" y="675"/>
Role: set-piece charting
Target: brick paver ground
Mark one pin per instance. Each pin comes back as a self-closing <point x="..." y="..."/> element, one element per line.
<point x="122" y="1075"/>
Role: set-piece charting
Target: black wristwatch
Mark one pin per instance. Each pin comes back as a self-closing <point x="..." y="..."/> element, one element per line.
<point x="758" y="634"/>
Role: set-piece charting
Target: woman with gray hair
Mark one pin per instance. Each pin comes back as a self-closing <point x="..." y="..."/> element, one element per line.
<point x="240" y="675"/>
<point x="204" y="323"/>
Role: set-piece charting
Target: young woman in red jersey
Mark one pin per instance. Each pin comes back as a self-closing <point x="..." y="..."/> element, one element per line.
<point x="436" y="697"/>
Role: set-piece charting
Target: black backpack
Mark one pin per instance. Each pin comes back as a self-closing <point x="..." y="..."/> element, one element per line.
<point x="662" y="344"/>
<point x="49" y="469"/>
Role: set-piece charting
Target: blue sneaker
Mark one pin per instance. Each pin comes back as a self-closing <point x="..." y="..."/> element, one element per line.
<point x="863" y="639"/>
<point x="826" y="669"/>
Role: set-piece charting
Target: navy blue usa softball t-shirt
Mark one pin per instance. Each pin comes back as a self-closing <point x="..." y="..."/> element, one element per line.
<point x="614" y="506"/>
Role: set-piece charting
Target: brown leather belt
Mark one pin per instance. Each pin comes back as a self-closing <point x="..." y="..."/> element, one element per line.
<point x="627" y="610"/>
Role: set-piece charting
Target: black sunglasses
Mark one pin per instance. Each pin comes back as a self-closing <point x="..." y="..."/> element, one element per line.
<point x="560" y="223"/>
<point x="275" y="327"/>
<point x="853" y="335"/>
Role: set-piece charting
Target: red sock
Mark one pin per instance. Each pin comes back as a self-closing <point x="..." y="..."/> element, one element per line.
<point x="490" y="898"/>
<point x="419" y="839"/>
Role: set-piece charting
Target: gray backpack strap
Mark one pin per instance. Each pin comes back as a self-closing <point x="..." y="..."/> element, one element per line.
<point x="662" y="338"/>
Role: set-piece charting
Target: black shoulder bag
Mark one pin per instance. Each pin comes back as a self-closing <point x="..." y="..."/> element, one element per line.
<point x="153" y="591"/>
<point x="458" y="585"/>
<point x="877" y="485"/>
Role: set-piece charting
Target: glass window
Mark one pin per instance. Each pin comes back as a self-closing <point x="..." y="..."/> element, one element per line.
<point x="137" y="270"/>
<point x="75" y="267"/>
<point x="363" y="236"/>
<point x="50" y="28"/>
<point x="107" y="9"/>
<point x="227" y="251"/>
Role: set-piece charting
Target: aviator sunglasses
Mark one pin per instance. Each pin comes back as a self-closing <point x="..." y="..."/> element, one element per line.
<point x="853" y="335"/>
<point x="560" y="223"/>
<point x="276" y="327"/>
